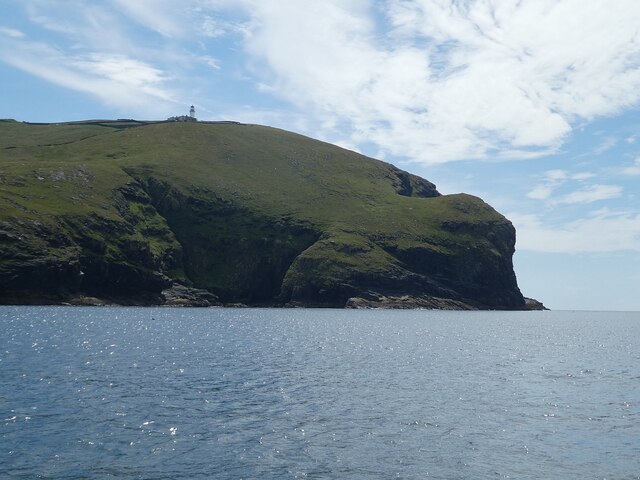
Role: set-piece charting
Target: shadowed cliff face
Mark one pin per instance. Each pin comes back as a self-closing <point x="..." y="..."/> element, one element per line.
<point x="243" y="214"/>
<point x="236" y="254"/>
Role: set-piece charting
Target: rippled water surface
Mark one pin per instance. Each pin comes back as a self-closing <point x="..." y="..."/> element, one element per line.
<point x="141" y="393"/>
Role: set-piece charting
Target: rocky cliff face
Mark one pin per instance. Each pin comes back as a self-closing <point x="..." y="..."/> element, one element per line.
<point x="207" y="214"/>
<point x="335" y="270"/>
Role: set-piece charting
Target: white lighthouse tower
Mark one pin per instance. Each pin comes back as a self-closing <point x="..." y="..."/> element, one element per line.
<point x="192" y="112"/>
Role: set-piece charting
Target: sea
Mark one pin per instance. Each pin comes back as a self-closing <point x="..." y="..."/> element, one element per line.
<point x="218" y="393"/>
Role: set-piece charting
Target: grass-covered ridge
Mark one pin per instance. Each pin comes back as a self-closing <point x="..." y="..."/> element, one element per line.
<point x="251" y="213"/>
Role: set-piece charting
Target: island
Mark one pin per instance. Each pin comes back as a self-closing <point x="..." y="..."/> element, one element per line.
<point x="199" y="213"/>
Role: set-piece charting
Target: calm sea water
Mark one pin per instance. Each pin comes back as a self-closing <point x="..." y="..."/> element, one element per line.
<point x="144" y="393"/>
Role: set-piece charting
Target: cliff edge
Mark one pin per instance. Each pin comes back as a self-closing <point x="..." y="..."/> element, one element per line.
<point x="197" y="213"/>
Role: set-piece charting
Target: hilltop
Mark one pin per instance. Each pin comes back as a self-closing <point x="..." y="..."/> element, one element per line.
<point x="205" y="213"/>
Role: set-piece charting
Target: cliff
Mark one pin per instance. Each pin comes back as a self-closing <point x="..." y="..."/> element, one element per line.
<point x="223" y="213"/>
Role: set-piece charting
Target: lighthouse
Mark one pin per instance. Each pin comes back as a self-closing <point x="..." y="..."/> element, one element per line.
<point x="192" y="112"/>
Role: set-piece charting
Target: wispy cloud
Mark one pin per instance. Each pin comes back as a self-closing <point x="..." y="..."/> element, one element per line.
<point x="89" y="48"/>
<point x="602" y="231"/>
<point x="606" y="145"/>
<point x="212" y="27"/>
<point x="79" y="26"/>
<point x="583" y="176"/>
<point x="166" y="17"/>
<point x="542" y="192"/>
<point x="633" y="169"/>
<point x="590" y="194"/>
<point x="452" y="80"/>
<point x="117" y="79"/>
<point x="210" y="62"/>
<point x="11" y="32"/>
<point x="126" y="72"/>
<point x="429" y="80"/>
<point x="554" y="179"/>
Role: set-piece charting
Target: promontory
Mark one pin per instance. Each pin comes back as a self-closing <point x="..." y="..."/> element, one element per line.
<point x="221" y="213"/>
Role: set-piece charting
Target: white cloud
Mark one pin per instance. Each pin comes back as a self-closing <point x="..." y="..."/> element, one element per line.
<point x="456" y="80"/>
<point x="542" y="192"/>
<point x="603" y="231"/>
<point x="212" y="27"/>
<point x="165" y="17"/>
<point x="583" y="176"/>
<point x="591" y="193"/>
<point x="430" y="80"/>
<point x="211" y="62"/>
<point x="92" y="47"/>
<point x="633" y="169"/>
<point x="118" y="80"/>
<point x="80" y="26"/>
<point x="556" y="175"/>
<point x="11" y="32"/>
<point x="607" y="144"/>
<point x="552" y="180"/>
<point x="129" y="73"/>
<point x="187" y="20"/>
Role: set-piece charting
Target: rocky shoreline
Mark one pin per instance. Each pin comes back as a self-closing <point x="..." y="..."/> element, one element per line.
<point x="182" y="296"/>
<point x="191" y="214"/>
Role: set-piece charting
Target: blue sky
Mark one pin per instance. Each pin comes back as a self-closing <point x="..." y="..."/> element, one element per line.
<point x="533" y="105"/>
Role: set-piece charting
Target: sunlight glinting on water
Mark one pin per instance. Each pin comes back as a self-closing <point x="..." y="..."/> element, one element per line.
<point x="252" y="393"/>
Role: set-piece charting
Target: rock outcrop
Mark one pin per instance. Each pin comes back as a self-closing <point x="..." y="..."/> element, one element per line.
<point x="182" y="296"/>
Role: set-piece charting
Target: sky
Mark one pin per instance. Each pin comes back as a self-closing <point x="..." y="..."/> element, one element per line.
<point x="532" y="105"/>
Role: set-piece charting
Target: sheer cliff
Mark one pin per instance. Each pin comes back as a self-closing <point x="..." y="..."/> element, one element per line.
<point x="225" y="213"/>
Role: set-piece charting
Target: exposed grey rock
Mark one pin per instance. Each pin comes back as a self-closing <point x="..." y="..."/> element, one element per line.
<point x="180" y="296"/>
<point x="86" y="301"/>
<point x="533" y="304"/>
<point x="408" y="302"/>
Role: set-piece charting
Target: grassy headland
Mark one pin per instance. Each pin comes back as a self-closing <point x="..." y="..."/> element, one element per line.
<point x="122" y="210"/>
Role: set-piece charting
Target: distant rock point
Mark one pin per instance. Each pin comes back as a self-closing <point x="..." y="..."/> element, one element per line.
<point x="533" y="304"/>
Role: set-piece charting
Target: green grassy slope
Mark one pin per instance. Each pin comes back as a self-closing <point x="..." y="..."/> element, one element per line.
<point x="251" y="213"/>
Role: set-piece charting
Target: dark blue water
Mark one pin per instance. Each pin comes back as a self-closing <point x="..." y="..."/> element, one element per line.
<point x="139" y="393"/>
